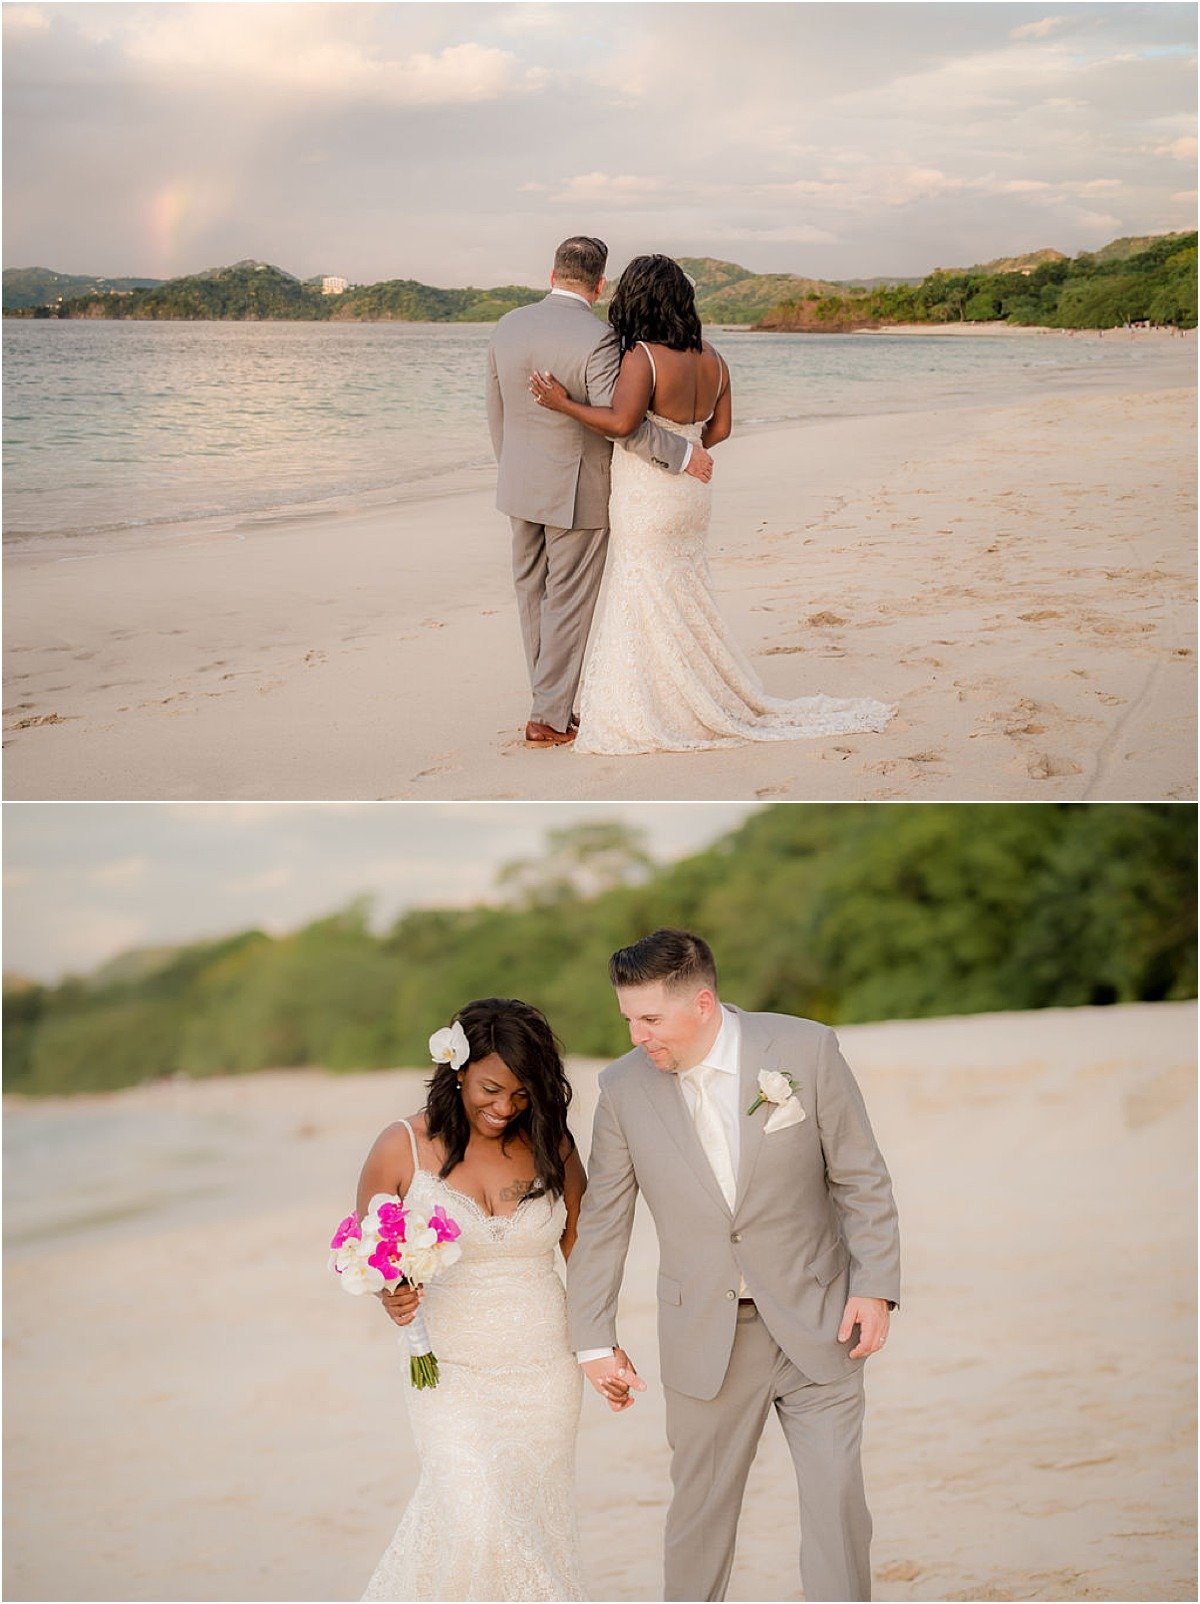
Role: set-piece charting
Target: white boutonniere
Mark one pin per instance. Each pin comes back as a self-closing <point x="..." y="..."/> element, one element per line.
<point x="776" y="1087"/>
<point x="450" y="1046"/>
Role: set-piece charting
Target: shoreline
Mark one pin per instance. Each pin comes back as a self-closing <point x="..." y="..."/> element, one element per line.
<point x="1016" y="577"/>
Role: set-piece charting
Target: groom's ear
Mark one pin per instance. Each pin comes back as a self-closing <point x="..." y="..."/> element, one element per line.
<point x="600" y="286"/>
<point x="706" y="1002"/>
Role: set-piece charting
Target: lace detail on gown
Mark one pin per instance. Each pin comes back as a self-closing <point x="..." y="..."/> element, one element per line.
<point x="663" y="673"/>
<point x="493" y="1514"/>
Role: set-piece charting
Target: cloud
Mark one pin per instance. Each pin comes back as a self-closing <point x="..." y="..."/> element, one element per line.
<point x="1037" y="30"/>
<point x="598" y="189"/>
<point x="1183" y="149"/>
<point x="297" y="50"/>
<point x="25" y="20"/>
<point x="789" y="233"/>
<point x="121" y="872"/>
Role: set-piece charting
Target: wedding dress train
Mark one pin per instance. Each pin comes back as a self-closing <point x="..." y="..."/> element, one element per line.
<point x="663" y="672"/>
<point x="493" y="1514"/>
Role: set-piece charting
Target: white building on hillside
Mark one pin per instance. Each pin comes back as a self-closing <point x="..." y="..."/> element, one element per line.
<point x="333" y="286"/>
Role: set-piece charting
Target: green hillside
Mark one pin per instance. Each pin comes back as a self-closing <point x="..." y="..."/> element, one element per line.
<point x="1101" y="290"/>
<point x="843" y="912"/>
<point x="40" y="286"/>
<point x="406" y="300"/>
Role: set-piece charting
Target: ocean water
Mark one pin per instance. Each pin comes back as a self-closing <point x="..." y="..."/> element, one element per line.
<point x="113" y="427"/>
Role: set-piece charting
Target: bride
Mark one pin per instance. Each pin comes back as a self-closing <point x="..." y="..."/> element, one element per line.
<point x="493" y="1514"/>
<point x="663" y="673"/>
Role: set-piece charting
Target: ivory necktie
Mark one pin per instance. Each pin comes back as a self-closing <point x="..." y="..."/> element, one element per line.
<point x="711" y="1132"/>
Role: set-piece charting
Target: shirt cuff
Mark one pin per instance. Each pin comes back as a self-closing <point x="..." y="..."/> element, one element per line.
<point x="586" y="1355"/>
<point x="687" y="455"/>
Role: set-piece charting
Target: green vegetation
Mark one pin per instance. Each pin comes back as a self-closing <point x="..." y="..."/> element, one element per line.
<point x="846" y="913"/>
<point x="1147" y="277"/>
<point x="39" y="286"/>
<point x="256" y="291"/>
<point x="1129" y="281"/>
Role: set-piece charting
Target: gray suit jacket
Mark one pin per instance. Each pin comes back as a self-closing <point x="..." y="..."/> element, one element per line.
<point x="552" y="470"/>
<point x="813" y="1221"/>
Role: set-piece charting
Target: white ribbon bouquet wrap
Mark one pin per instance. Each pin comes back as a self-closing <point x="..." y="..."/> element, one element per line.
<point x="392" y="1244"/>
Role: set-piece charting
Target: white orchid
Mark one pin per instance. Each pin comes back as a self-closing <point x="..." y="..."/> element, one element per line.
<point x="350" y="1261"/>
<point x="450" y="1046"/>
<point x="422" y="1263"/>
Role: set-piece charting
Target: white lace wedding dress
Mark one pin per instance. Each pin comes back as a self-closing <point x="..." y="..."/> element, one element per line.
<point x="493" y="1514"/>
<point x="663" y="673"/>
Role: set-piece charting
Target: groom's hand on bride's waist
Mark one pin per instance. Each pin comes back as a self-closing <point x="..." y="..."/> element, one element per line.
<point x="614" y="1378"/>
<point x="700" y="464"/>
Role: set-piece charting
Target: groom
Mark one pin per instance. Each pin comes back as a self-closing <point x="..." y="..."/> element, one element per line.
<point x="779" y="1257"/>
<point x="553" y="480"/>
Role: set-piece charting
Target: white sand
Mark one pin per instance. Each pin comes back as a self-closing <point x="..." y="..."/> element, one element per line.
<point x="1018" y="579"/>
<point x="195" y="1412"/>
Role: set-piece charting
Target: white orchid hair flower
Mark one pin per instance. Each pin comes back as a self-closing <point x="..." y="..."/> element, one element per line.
<point x="450" y="1046"/>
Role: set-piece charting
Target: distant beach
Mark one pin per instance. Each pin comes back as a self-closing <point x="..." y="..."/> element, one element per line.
<point x="1007" y="554"/>
<point x="204" y="1416"/>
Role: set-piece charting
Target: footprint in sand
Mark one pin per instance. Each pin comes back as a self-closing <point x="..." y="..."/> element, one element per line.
<point x="41" y="718"/>
<point x="825" y="620"/>
<point x="1047" y="767"/>
<point x="1036" y="618"/>
<point x="1111" y="701"/>
<point x="311" y="659"/>
<point x="771" y="790"/>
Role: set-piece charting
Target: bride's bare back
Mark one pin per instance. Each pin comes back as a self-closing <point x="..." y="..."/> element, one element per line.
<point x="686" y="383"/>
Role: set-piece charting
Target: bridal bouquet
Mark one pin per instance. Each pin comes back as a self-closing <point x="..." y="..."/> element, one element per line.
<point x="391" y="1244"/>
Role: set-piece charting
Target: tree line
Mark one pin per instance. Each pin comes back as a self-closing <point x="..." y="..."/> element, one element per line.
<point x="843" y="913"/>
<point x="1155" y="283"/>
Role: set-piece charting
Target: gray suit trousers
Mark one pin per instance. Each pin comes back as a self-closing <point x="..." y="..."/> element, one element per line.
<point x="557" y="573"/>
<point x="713" y="1443"/>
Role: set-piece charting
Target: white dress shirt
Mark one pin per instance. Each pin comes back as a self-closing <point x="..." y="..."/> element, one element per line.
<point x="723" y="1057"/>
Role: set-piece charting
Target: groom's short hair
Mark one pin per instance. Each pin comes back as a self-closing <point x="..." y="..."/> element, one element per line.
<point x="676" y="957"/>
<point x="581" y="260"/>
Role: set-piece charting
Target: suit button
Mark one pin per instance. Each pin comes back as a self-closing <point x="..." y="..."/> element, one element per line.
<point x="731" y="1296"/>
<point x="736" y="1237"/>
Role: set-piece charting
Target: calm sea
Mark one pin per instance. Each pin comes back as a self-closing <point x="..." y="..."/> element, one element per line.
<point x="117" y="426"/>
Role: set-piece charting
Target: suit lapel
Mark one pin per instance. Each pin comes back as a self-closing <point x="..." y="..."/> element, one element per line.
<point x="753" y="1055"/>
<point x="666" y="1096"/>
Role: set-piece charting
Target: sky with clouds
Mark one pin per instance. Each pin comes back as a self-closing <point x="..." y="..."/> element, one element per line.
<point x="86" y="881"/>
<point x="457" y="143"/>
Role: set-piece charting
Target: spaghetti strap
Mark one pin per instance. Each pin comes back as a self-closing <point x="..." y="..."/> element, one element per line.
<point x="412" y="1142"/>
<point x="653" y="369"/>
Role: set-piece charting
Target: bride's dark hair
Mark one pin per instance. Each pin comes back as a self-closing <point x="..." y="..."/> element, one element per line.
<point x="522" y="1038"/>
<point x="655" y="301"/>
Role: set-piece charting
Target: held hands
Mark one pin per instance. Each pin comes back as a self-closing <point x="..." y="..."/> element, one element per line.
<point x="872" y="1318"/>
<point x="615" y="1379"/>
<point x="547" y="391"/>
<point x="402" y="1304"/>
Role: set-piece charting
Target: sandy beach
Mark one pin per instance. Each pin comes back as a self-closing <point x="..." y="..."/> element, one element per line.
<point x="1017" y="579"/>
<point x="195" y="1412"/>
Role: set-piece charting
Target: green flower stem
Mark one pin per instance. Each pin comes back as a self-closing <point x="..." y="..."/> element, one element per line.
<point x="423" y="1371"/>
<point x="756" y="1104"/>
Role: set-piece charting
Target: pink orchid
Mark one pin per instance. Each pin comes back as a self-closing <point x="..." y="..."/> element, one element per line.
<point x="443" y="1226"/>
<point x="385" y="1258"/>
<point x="348" y="1228"/>
<point x="391" y="1221"/>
